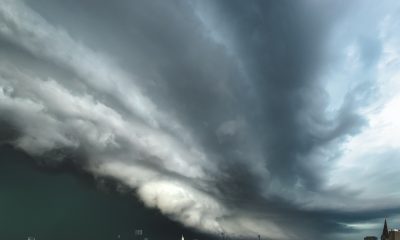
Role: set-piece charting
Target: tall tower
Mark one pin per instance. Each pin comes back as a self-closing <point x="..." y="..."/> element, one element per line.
<point x="385" y="232"/>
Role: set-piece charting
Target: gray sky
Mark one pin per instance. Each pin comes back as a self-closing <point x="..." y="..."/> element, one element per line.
<point x="277" y="118"/>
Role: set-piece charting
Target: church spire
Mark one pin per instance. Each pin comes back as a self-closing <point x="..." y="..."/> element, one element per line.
<point x="385" y="232"/>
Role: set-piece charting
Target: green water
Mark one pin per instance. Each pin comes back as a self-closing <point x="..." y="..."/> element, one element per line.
<point x="51" y="205"/>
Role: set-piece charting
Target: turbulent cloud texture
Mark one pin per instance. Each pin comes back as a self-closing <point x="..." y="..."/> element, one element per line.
<point x="276" y="118"/>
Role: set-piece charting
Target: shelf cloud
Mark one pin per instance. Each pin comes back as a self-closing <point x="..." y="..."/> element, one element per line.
<point x="257" y="117"/>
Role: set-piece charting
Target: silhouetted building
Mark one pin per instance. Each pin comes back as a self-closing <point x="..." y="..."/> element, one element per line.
<point x="392" y="234"/>
<point x="370" y="238"/>
<point x="385" y="232"/>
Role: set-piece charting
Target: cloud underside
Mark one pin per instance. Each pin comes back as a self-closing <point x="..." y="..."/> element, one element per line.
<point x="271" y="118"/>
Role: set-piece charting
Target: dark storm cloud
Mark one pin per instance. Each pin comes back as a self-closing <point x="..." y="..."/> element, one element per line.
<point x="214" y="111"/>
<point x="284" y="59"/>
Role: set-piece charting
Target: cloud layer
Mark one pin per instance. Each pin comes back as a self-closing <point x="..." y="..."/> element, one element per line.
<point x="271" y="118"/>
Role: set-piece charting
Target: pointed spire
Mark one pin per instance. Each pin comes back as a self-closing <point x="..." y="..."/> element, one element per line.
<point x="385" y="231"/>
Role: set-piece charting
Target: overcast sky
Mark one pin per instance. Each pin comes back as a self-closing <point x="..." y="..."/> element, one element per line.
<point x="278" y="118"/>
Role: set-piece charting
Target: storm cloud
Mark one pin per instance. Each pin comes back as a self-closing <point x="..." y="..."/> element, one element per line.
<point x="276" y="118"/>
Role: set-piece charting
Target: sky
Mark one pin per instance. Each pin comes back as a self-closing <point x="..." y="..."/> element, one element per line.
<point x="271" y="118"/>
